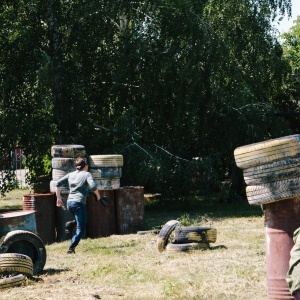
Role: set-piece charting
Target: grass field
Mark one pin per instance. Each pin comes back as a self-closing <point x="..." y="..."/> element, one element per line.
<point x="131" y="267"/>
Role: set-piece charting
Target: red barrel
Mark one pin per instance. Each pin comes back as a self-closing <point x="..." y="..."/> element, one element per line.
<point x="282" y="218"/>
<point x="17" y="220"/>
<point x="130" y="209"/>
<point x="101" y="220"/>
<point x="44" y="207"/>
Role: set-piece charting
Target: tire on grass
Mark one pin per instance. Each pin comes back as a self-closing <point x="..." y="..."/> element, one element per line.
<point x="27" y="243"/>
<point x="273" y="191"/>
<point x="164" y="234"/>
<point x="11" y="263"/>
<point x="267" y="151"/>
<point x="12" y="281"/>
<point x="188" y="247"/>
<point x="194" y="234"/>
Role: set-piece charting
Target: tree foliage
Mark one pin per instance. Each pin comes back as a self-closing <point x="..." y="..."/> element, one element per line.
<point x="161" y="82"/>
<point x="290" y="90"/>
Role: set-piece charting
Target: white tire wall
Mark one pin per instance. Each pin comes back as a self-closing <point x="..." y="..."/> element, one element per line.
<point x="64" y="189"/>
<point x="267" y="152"/>
<point x="68" y="151"/>
<point x="106" y="172"/>
<point x="105" y="184"/>
<point x="109" y="160"/>
<point x="57" y="174"/>
<point x="274" y="191"/>
<point x="63" y="164"/>
<point x="279" y="170"/>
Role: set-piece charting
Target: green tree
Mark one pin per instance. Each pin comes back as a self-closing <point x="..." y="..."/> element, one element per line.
<point x="290" y="92"/>
<point x="162" y="81"/>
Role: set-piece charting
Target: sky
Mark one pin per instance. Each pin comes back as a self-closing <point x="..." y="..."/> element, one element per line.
<point x="286" y="23"/>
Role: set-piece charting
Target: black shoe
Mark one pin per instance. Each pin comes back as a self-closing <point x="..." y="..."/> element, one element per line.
<point x="71" y="251"/>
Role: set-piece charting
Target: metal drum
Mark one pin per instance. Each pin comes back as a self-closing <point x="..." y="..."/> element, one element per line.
<point x="101" y="220"/>
<point x="130" y="209"/>
<point x="281" y="220"/>
<point x="44" y="207"/>
<point x="17" y="220"/>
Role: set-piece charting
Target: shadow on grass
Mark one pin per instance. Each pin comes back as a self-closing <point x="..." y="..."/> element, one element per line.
<point x="51" y="271"/>
<point x="217" y="247"/>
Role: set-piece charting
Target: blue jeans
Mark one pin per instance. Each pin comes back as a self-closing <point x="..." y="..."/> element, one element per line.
<point x="80" y="213"/>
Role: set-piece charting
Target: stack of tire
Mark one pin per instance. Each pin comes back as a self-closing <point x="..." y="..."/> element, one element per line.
<point x="22" y="254"/>
<point x="63" y="158"/>
<point x="14" y="268"/>
<point x="173" y="237"/>
<point x="106" y="170"/>
<point x="271" y="169"/>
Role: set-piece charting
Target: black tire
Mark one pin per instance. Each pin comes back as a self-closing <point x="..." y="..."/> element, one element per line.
<point x="278" y="170"/>
<point x="165" y="233"/>
<point x="11" y="263"/>
<point x="106" y="173"/>
<point x="13" y="281"/>
<point x="57" y="174"/>
<point x="194" y="234"/>
<point x="27" y="243"/>
<point x="109" y="160"/>
<point x="64" y="189"/>
<point x="188" y="247"/>
<point x="69" y="151"/>
<point x="268" y="151"/>
<point x="273" y="191"/>
<point x="63" y="163"/>
<point x="107" y="184"/>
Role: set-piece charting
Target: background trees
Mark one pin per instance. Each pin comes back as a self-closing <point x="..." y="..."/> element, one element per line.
<point x="291" y="89"/>
<point x="160" y="83"/>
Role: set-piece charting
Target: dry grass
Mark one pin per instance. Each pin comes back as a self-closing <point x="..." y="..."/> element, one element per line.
<point x="131" y="267"/>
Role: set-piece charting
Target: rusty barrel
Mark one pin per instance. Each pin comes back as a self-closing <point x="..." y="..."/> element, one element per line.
<point x="130" y="209"/>
<point x="101" y="221"/>
<point x="282" y="218"/>
<point x="62" y="217"/>
<point x="44" y="207"/>
<point x="17" y="220"/>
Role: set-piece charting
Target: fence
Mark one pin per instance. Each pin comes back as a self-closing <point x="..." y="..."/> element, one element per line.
<point x="19" y="167"/>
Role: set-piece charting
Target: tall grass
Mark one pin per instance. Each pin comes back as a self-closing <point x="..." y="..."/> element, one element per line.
<point x="131" y="267"/>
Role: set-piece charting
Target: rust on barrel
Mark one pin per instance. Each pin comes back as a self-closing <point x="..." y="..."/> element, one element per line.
<point x="281" y="220"/>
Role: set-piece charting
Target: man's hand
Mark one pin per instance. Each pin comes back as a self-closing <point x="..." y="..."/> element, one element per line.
<point x="103" y="200"/>
<point x="59" y="203"/>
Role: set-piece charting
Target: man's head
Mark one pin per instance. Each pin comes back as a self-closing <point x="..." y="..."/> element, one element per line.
<point x="80" y="163"/>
